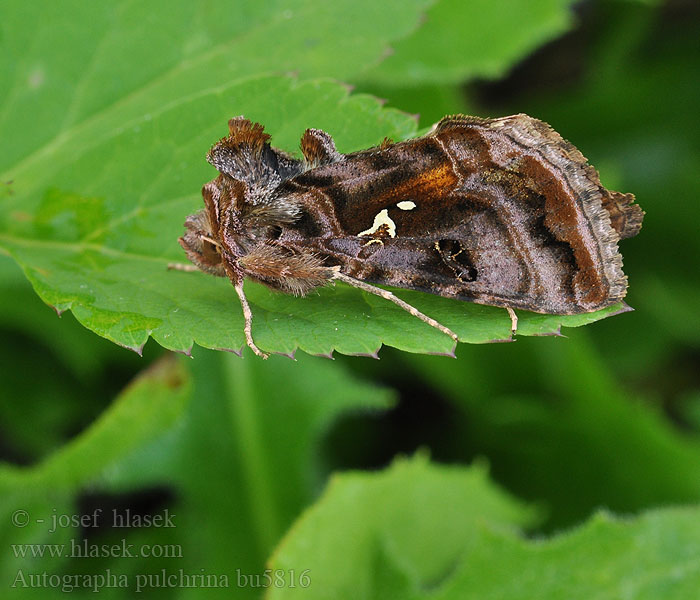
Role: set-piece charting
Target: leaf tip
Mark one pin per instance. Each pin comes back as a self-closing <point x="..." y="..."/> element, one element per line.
<point x="60" y="309"/>
<point x="556" y="333"/>
<point x="349" y="88"/>
<point x="186" y="351"/>
<point x="450" y="354"/>
<point x="374" y="354"/>
<point x="238" y="352"/>
<point x="289" y="355"/>
<point x="624" y="308"/>
<point x="138" y="348"/>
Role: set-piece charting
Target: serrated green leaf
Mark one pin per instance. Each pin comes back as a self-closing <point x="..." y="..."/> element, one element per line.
<point x="401" y="530"/>
<point x="480" y="38"/>
<point x="421" y="531"/>
<point x="77" y="349"/>
<point x="653" y="557"/>
<point x="93" y="209"/>
<point x="105" y="64"/>
<point x="106" y="257"/>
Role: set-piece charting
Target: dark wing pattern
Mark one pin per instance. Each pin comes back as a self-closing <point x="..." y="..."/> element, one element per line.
<point x="501" y="212"/>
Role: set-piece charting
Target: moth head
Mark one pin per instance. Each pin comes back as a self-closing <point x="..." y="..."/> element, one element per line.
<point x="200" y="245"/>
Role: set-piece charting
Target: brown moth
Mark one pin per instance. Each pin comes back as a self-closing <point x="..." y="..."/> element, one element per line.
<point x="502" y="212"/>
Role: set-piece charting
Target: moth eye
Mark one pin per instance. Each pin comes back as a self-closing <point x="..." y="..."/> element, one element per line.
<point x="456" y="257"/>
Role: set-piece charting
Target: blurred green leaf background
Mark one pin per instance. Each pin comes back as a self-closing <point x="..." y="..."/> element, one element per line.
<point x="558" y="467"/>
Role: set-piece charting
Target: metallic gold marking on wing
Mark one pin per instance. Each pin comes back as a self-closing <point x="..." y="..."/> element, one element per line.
<point x="382" y="224"/>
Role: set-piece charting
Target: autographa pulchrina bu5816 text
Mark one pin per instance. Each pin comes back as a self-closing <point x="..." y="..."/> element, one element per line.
<point x="501" y="212"/>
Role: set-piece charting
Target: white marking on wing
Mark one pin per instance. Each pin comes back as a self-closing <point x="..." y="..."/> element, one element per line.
<point x="406" y="205"/>
<point x="380" y="220"/>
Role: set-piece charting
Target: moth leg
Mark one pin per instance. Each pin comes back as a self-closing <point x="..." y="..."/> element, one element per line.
<point x="396" y="300"/>
<point x="513" y="320"/>
<point x="248" y="317"/>
<point x="281" y="269"/>
<point x="318" y="149"/>
<point x="183" y="267"/>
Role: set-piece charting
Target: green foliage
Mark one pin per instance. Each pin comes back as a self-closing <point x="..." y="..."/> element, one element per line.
<point x="442" y="532"/>
<point x="463" y="40"/>
<point x="408" y="525"/>
<point x="96" y="209"/>
<point x="241" y="459"/>
<point x="106" y="111"/>
<point x="147" y="410"/>
<point x="609" y="450"/>
<point x="250" y="461"/>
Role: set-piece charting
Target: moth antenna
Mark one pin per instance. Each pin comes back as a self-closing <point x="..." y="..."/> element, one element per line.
<point x="183" y="267"/>
<point x="248" y="317"/>
<point x="210" y="240"/>
<point x="387" y="295"/>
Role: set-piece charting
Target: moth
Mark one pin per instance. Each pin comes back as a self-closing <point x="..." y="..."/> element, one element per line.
<point x="502" y="212"/>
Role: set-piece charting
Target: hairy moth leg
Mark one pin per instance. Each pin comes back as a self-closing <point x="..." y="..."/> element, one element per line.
<point x="396" y="300"/>
<point x="247" y="314"/>
<point x="513" y="320"/>
<point x="248" y="317"/>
